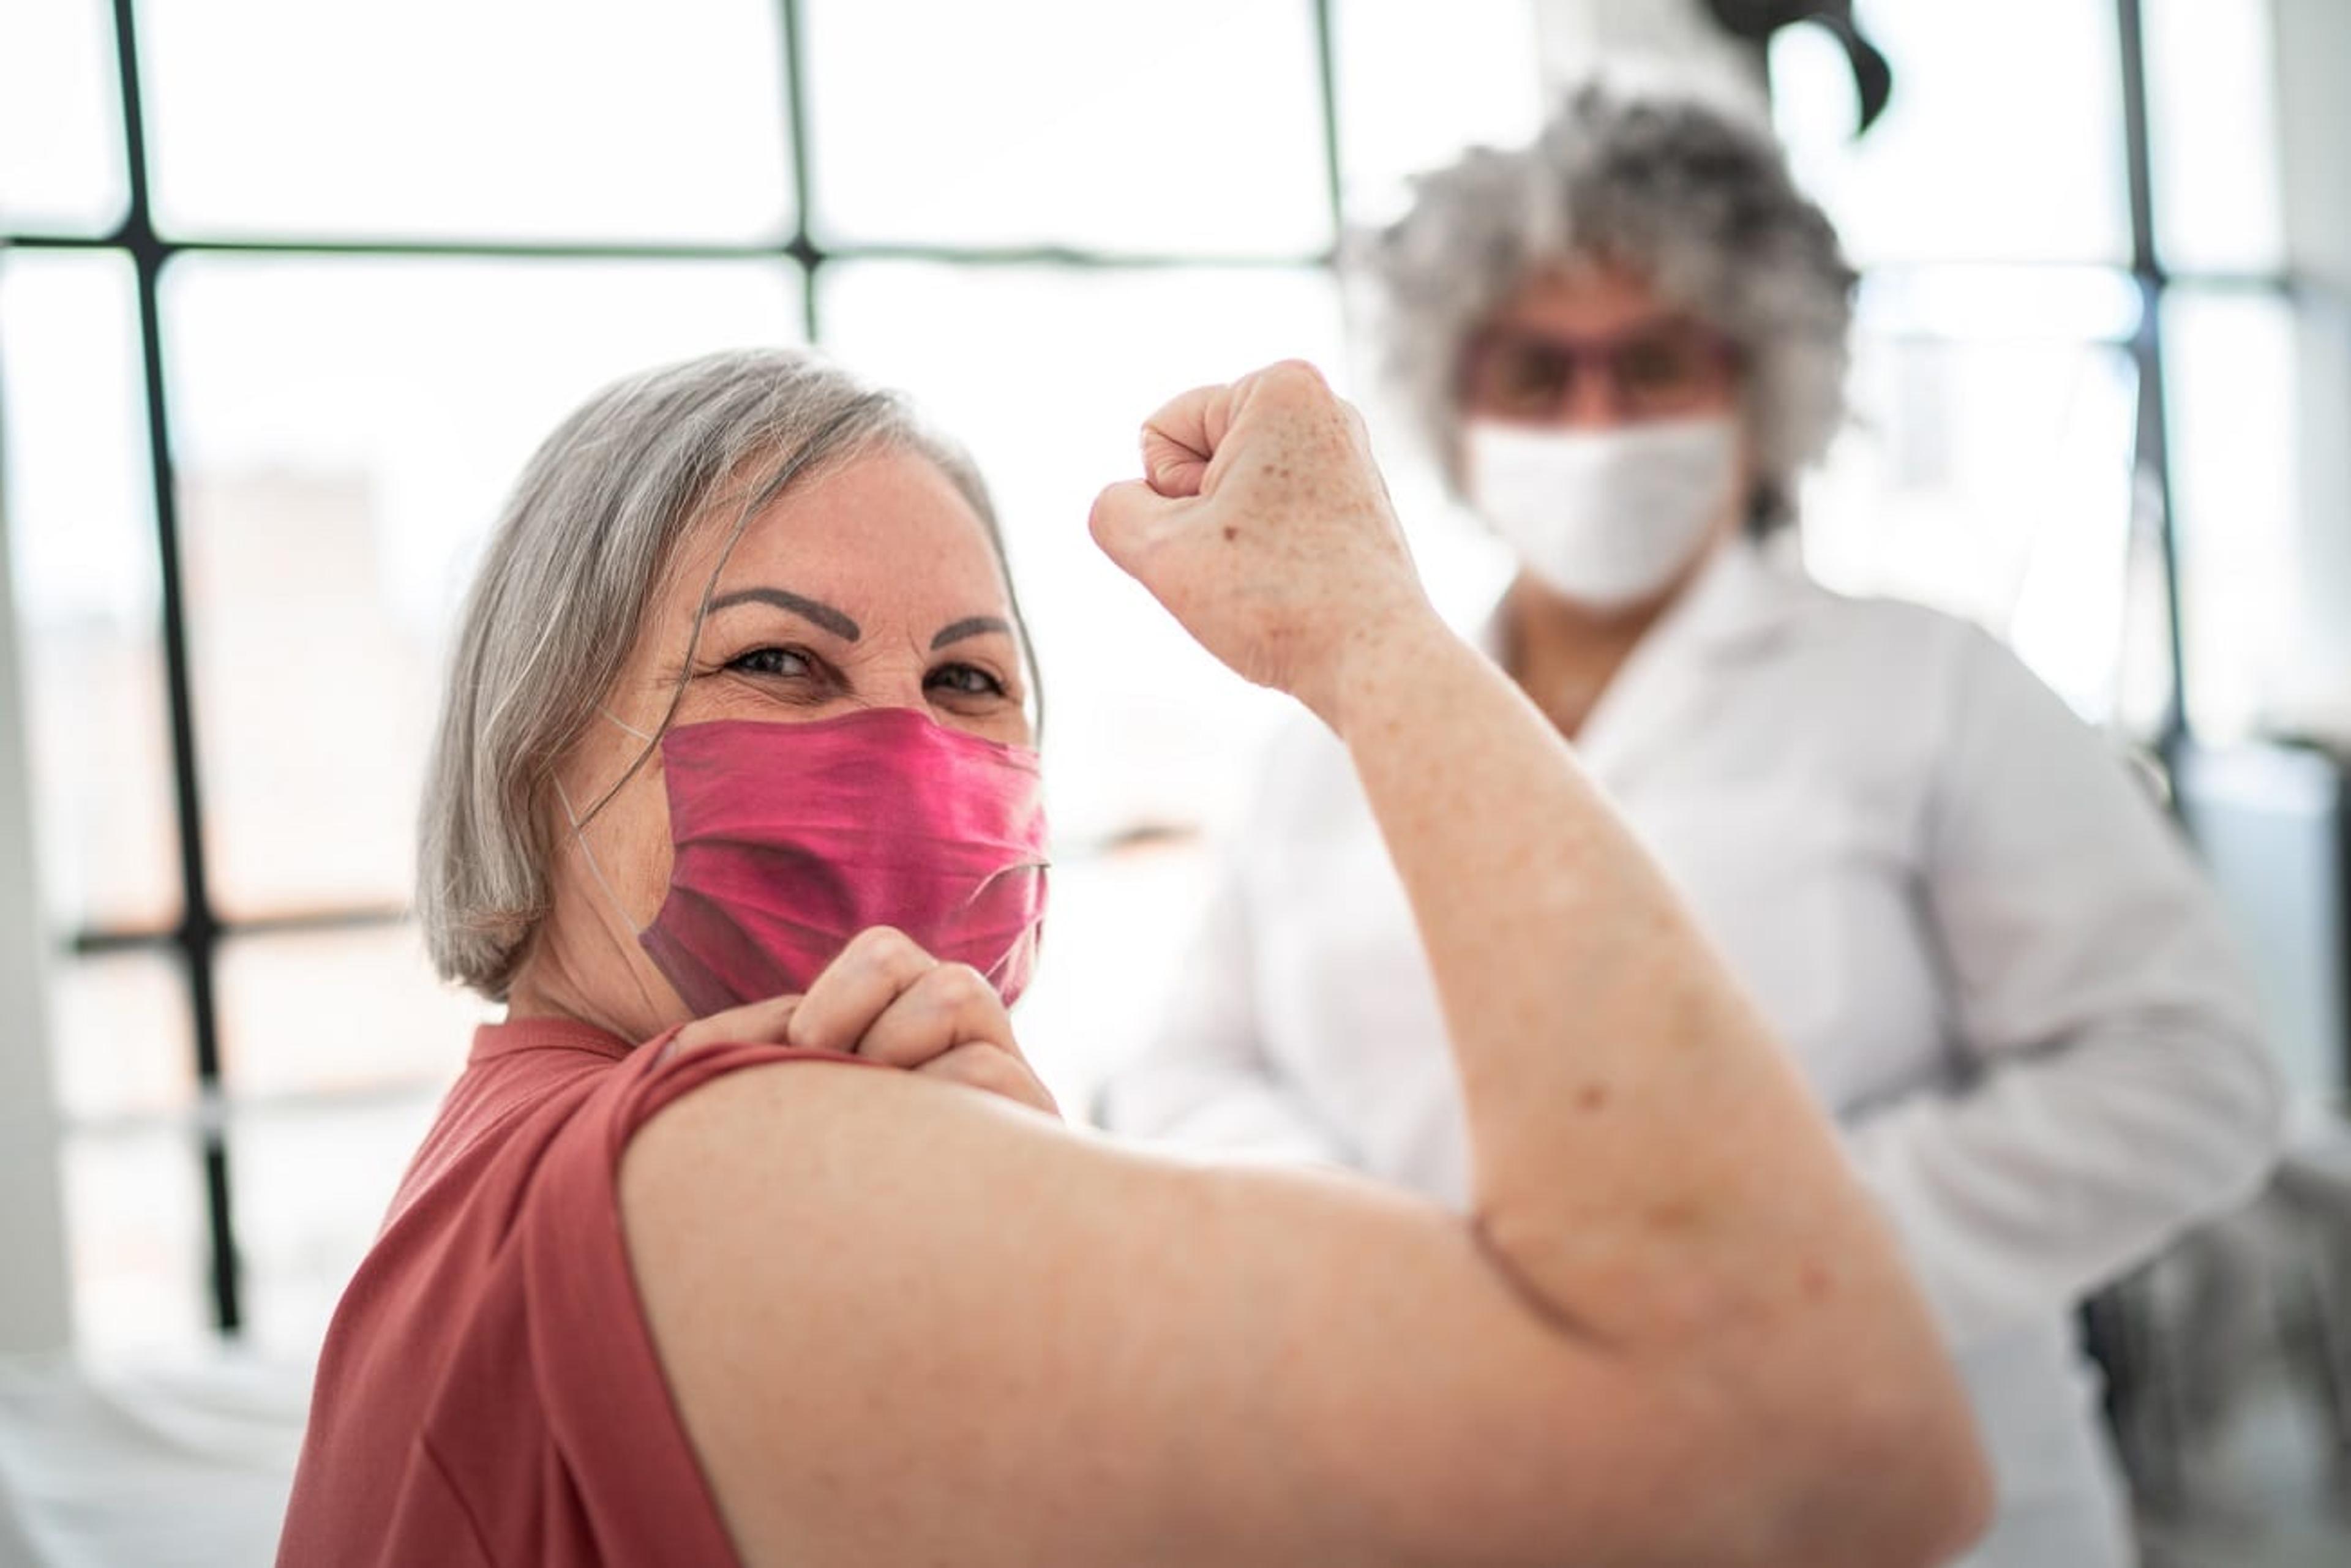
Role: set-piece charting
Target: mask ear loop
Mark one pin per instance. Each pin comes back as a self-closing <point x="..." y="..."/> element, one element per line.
<point x="626" y="727"/>
<point x="579" y="833"/>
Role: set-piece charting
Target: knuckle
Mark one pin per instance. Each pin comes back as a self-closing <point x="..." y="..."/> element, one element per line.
<point x="988" y="1067"/>
<point x="894" y="952"/>
<point x="868" y="941"/>
<point x="1297" y="377"/>
<point x="764" y="1020"/>
<point x="960" y="984"/>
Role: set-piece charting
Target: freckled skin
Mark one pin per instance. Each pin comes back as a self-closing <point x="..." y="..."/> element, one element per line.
<point x="888" y="541"/>
<point x="1155" y="1363"/>
<point x="1315" y="577"/>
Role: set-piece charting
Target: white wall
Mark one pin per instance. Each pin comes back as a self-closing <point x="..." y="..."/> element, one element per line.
<point x="2313" y="41"/>
<point x="1574" y="34"/>
<point x="34" y="1305"/>
<point x="2314" y="58"/>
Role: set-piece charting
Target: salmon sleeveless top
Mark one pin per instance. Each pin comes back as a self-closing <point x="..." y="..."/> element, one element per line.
<point x="487" y="1392"/>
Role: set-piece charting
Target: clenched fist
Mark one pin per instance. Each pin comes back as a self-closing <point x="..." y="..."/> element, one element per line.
<point x="1263" y="526"/>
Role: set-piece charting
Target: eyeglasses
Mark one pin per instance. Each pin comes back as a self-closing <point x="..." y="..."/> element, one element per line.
<point x="1651" y="372"/>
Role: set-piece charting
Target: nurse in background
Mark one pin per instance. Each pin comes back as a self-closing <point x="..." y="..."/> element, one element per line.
<point x="1985" y="946"/>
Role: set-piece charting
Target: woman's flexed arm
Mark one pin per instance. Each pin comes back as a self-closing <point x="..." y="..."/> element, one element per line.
<point x="1646" y="1165"/>
<point x="907" y="1323"/>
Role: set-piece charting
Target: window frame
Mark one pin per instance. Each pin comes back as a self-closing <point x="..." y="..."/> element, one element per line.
<point x="196" y="940"/>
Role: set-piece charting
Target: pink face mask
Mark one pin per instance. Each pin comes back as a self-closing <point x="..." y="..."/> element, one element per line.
<point x="792" y="837"/>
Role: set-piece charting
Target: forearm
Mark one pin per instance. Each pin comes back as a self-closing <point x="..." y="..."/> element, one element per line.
<point x="1643" y="1157"/>
<point x="2061" y="1170"/>
<point x="1648" y="1177"/>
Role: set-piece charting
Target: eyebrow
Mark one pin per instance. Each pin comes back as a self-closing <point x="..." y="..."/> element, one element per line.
<point x="969" y="626"/>
<point x="809" y="610"/>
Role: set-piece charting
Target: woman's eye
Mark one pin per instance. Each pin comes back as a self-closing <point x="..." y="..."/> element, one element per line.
<point x="771" y="661"/>
<point x="1657" y="366"/>
<point x="965" y="680"/>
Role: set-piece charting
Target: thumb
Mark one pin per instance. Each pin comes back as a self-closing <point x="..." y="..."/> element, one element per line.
<point x="1180" y="441"/>
<point x="1125" y="516"/>
<point x="1171" y="467"/>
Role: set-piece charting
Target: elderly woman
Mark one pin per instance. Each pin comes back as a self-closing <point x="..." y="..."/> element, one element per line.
<point x="737" y="721"/>
<point x="1978" y="940"/>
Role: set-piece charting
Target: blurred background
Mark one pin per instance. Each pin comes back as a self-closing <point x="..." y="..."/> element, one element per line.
<point x="288" y="291"/>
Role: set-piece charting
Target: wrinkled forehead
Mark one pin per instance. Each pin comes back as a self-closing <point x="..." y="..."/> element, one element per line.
<point x="1587" y="298"/>
<point x="886" y="531"/>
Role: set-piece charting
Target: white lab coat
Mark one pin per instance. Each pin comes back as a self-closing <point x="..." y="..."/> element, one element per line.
<point x="1977" y="935"/>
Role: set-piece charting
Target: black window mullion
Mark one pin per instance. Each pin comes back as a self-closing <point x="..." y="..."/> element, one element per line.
<point x="1326" y="74"/>
<point x="798" y="248"/>
<point x="198" y="935"/>
<point x="196" y="940"/>
<point x="2152" y="440"/>
<point x="803" y="247"/>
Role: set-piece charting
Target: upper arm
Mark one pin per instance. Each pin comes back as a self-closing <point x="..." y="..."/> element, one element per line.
<point x="2084" y="945"/>
<point x="2125" y="1090"/>
<point x="906" y="1323"/>
<point x="2064" y="898"/>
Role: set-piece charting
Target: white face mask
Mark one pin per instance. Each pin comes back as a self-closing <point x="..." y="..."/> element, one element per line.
<point x="1607" y="517"/>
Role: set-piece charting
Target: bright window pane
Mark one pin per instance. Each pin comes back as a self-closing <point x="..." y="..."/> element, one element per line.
<point x="1417" y="84"/>
<point x="60" y="118"/>
<point x="311" y="1185"/>
<point x="1129" y="127"/>
<point x="528" y="119"/>
<point x="1117" y="930"/>
<point x="2212" y="130"/>
<point x="345" y="431"/>
<point x="123" y="1043"/>
<point x="2230" y="376"/>
<point x="1991" y="477"/>
<point x="1048" y="375"/>
<point x="289" y="1025"/>
<point x="1945" y="175"/>
<point x="134" y="1225"/>
<point x="73" y="446"/>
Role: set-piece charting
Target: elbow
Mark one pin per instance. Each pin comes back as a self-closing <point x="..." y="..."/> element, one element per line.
<point x="2242" y="1097"/>
<point x="1964" y="1505"/>
<point x="2194" y="1106"/>
<point x="1898" y="1480"/>
<point x="1929" y="1467"/>
<point x="2265" y="1112"/>
<point x="1873" y="1456"/>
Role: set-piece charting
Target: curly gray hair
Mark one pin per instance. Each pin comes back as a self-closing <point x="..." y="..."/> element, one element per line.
<point x="1666" y="186"/>
<point x="592" y="527"/>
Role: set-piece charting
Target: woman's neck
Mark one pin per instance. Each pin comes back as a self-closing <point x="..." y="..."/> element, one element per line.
<point x="1564" y="655"/>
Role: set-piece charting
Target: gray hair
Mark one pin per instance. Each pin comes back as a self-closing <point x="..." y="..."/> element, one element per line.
<point x="1669" y="186"/>
<point x="592" y="527"/>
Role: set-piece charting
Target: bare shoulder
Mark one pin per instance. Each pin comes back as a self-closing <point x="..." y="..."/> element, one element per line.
<point x="905" y="1321"/>
<point x="757" y="1165"/>
<point x="804" y="1237"/>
